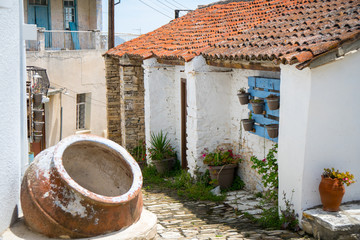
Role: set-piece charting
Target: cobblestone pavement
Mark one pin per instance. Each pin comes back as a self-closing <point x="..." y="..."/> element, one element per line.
<point x="180" y="219"/>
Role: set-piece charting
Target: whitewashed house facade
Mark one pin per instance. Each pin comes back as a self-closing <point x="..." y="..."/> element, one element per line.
<point x="193" y="67"/>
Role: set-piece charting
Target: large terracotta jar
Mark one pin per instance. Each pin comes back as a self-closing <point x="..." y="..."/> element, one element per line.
<point x="331" y="194"/>
<point x="84" y="186"/>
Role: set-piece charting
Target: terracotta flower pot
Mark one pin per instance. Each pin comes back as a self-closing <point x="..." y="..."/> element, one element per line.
<point x="223" y="175"/>
<point x="272" y="130"/>
<point x="258" y="108"/>
<point x="243" y="98"/>
<point x="331" y="194"/>
<point x="248" y="124"/>
<point x="164" y="165"/>
<point x="82" y="187"/>
<point x="273" y="103"/>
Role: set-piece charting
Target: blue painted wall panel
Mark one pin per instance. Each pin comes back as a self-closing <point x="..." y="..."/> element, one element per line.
<point x="261" y="88"/>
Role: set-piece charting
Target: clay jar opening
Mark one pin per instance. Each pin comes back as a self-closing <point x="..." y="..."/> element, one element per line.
<point x="97" y="168"/>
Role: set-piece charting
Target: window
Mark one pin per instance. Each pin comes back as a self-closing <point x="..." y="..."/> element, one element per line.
<point x="69" y="13"/>
<point x="38" y="2"/>
<point x="82" y="111"/>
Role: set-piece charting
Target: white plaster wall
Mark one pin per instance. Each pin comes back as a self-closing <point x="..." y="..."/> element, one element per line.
<point x="332" y="137"/>
<point x="295" y="97"/>
<point x="79" y="72"/>
<point x="208" y="122"/>
<point x="11" y="75"/>
<point x="319" y="128"/>
<point x="162" y="101"/>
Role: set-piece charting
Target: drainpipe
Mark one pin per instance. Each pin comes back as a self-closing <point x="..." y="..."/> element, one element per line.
<point x="61" y="114"/>
<point x="23" y="117"/>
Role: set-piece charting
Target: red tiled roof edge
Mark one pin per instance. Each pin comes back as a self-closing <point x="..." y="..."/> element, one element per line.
<point x="283" y="31"/>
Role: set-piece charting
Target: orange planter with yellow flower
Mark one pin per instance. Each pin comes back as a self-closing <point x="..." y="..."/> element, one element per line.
<point x="332" y="188"/>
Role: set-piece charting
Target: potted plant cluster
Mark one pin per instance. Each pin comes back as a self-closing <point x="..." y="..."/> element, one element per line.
<point x="248" y="124"/>
<point x="161" y="152"/>
<point x="243" y="96"/>
<point x="221" y="164"/>
<point x="139" y="154"/>
<point x="272" y="101"/>
<point x="257" y="105"/>
<point x="332" y="188"/>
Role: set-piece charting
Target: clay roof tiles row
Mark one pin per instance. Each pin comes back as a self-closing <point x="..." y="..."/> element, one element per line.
<point x="287" y="31"/>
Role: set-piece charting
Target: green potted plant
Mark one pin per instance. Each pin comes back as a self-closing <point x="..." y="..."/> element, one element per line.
<point x="273" y="101"/>
<point x="161" y="152"/>
<point x="221" y="164"/>
<point x="243" y="96"/>
<point x="139" y="154"/>
<point x="332" y="188"/>
<point x="248" y="124"/>
<point x="257" y="105"/>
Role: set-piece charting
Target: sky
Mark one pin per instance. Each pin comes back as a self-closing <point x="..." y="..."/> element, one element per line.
<point x="142" y="16"/>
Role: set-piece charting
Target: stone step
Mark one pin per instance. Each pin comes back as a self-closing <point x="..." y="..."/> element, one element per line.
<point x="342" y="225"/>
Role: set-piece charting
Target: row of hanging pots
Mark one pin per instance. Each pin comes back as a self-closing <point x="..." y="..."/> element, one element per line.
<point x="258" y="104"/>
<point x="37" y="117"/>
<point x="272" y="129"/>
<point x="258" y="108"/>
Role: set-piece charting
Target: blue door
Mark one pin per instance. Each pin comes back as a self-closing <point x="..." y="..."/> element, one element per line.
<point x="39" y="15"/>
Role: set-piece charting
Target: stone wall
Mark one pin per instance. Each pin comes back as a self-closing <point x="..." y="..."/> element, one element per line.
<point x="125" y="98"/>
<point x="112" y="75"/>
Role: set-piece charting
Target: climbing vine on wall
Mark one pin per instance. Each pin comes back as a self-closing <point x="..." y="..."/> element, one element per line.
<point x="268" y="169"/>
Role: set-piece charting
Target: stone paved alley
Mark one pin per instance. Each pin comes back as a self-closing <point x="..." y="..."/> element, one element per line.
<point x="180" y="219"/>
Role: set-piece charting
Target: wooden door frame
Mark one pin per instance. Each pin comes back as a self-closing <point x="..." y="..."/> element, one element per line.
<point x="183" y="106"/>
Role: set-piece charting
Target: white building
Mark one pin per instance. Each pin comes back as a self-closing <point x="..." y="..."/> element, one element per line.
<point x="13" y="139"/>
<point x="69" y="46"/>
<point x="194" y="66"/>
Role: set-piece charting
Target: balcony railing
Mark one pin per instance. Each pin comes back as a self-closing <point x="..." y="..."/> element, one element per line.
<point x="73" y="40"/>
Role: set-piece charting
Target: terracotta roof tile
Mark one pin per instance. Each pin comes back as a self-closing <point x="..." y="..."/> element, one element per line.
<point x="287" y="31"/>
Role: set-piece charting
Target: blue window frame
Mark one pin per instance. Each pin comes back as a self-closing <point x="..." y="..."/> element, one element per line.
<point x="39" y="14"/>
<point x="261" y="88"/>
<point x="69" y="13"/>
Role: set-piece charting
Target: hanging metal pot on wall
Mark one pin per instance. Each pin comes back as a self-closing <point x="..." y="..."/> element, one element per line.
<point x="273" y="101"/>
<point x="272" y="130"/>
<point x="37" y="99"/>
<point x="38" y="114"/>
<point x="38" y="126"/>
<point x="257" y="106"/>
<point x="248" y="124"/>
<point x="37" y="137"/>
<point x="243" y="98"/>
